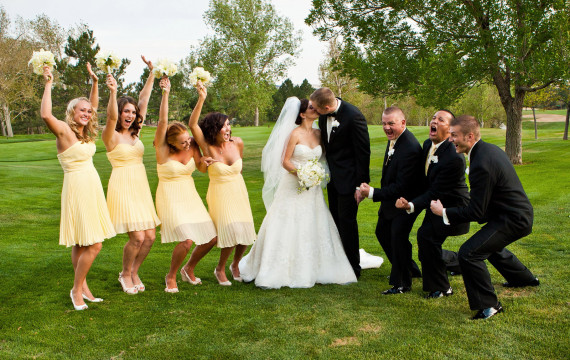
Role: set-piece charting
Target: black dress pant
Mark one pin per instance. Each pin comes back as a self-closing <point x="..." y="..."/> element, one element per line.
<point x="394" y="237"/>
<point x="434" y="267"/>
<point x="344" y="210"/>
<point x="489" y="244"/>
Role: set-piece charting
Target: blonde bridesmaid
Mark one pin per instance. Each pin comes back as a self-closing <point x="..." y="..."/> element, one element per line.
<point x="227" y="197"/>
<point x="85" y="221"/>
<point x="128" y="194"/>
<point x="183" y="214"/>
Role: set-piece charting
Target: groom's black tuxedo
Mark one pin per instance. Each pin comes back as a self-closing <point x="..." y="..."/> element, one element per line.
<point x="402" y="176"/>
<point x="497" y="199"/>
<point x="445" y="181"/>
<point x="348" y="157"/>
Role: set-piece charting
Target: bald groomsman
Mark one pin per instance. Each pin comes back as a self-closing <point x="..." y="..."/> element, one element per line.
<point x="445" y="180"/>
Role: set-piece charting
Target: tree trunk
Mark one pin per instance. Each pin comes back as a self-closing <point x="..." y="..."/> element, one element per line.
<point x="7" y="122"/>
<point x="565" y="137"/>
<point x="513" y="140"/>
<point x="256" y="121"/>
<point x="535" y="130"/>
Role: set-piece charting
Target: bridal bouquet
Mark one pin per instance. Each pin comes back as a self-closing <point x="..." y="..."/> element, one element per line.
<point x="310" y="174"/>
<point x="40" y="59"/>
<point x="164" y="67"/>
<point x="107" y="61"/>
<point x="200" y="74"/>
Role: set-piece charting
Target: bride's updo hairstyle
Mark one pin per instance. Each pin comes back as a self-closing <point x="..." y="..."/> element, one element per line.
<point x="175" y="128"/>
<point x="302" y="109"/>
<point x="211" y="125"/>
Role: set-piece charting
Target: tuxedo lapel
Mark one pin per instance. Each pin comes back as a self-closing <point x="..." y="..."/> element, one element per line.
<point x="338" y="117"/>
<point x="323" y="127"/>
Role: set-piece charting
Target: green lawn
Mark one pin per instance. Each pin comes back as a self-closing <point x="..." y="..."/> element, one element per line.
<point x="209" y="321"/>
<point x="542" y="111"/>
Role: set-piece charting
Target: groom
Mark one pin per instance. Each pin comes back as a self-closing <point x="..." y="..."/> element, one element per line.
<point x="344" y="134"/>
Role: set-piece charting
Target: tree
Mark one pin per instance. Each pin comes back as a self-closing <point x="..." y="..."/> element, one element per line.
<point x="436" y="50"/>
<point x="286" y="90"/>
<point x="251" y="48"/>
<point x="539" y="99"/>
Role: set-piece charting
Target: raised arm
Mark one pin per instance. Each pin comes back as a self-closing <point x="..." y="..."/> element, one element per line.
<point x="144" y="96"/>
<point x="160" y="135"/>
<point x="193" y="122"/>
<point x="57" y="127"/>
<point x="108" y="134"/>
<point x="94" y="95"/>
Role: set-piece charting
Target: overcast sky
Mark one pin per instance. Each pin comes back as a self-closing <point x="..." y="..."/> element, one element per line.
<point x="161" y="28"/>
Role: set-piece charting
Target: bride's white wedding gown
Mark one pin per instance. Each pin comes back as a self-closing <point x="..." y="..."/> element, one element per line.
<point x="298" y="243"/>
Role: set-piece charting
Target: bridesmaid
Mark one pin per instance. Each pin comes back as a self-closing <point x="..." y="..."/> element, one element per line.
<point x="183" y="214"/>
<point x="227" y="197"/>
<point x="85" y="221"/>
<point x="128" y="193"/>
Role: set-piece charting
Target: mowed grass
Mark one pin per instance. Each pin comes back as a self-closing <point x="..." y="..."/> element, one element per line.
<point x="213" y="322"/>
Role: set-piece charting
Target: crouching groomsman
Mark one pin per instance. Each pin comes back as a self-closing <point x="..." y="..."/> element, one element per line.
<point x="401" y="177"/>
<point x="498" y="201"/>
<point x="445" y="180"/>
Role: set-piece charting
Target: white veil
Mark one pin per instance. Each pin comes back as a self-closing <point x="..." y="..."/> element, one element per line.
<point x="272" y="155"/>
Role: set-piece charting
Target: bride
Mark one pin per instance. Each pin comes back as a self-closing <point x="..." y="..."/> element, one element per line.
<point x="298" y="243"/>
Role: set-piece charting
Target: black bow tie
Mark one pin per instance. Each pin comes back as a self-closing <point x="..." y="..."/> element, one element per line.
<point x="332" y="114"/>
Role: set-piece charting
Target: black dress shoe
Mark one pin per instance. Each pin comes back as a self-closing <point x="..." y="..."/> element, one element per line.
<point x="534" y="282"/>
<point x="438" y="294"/>
<point x="484" y="314"/>
<point x="396" y="290"/>
<point x="455" y="273"/>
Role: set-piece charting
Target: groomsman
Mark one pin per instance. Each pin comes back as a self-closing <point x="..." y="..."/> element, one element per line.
<point x="445" y="180"/>
<point x="402" y="176"/>
<point x="498" y="201"/>
<point x="344" y="133"/>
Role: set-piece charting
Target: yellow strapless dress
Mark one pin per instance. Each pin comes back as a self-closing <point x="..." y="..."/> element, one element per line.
<point x="179" y="206"/>
<point x="228" y="204"/>
<point x="84" y="215"/>
<point x="128" y="194"/>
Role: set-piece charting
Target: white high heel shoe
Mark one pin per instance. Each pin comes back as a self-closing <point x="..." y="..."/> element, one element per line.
<point x="77" y="307"/>
<point x="187" y="278"/>
<point x="223" y="283"/>
<point x="238" y="278"/>
<point x="94" y="300"/>
<point x="131" y="291"/>
<point x="170" y="290"/>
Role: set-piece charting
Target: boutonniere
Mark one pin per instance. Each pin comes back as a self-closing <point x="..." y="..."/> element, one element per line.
<point x="335" y="124"/>
<point x="434" y="159"/>
<point x="390" y="154"/>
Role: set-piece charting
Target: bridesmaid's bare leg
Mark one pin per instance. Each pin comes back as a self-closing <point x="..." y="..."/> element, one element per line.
<point x="130" y="252"/>
<point x="234" y="266"/>
<point x="221" y="268"/>
<point x="149" y="237"/>
<point x="178" y="255"/>
<point x="83" y="257"/>
<point x="199" y="252"/>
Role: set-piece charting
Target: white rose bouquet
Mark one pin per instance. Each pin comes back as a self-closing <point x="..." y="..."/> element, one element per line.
<point x="107" y="61"/>
<point x="40" y="59"/>
<point x="200" y="74"/>
<point x="310" y="174"/>
<point x="164" y="67"/>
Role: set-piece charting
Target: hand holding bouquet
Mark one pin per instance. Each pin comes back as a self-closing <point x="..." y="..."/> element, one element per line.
<point x="107" y="61"/>
<point x="310" y="174"/>
<point x="200" y="74"/>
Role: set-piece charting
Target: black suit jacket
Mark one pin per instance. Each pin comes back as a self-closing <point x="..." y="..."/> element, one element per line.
<point x="445" y="181"/>
<point x="402" y="175"/>
<point x="348" y="151"/>
<point x="497" y="195"/>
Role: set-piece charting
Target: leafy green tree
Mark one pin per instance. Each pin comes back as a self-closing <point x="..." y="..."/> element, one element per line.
<point x="539" y="99"/>
<point x="252" y="46"/>
<point x="436" y="50"/>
